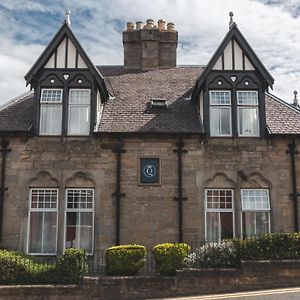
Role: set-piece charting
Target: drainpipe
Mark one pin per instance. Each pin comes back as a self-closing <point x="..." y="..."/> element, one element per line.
<point x="180" y="198"/>
<point x="4" y="150"/>
<point x="293" y="151"/>
<point x="118" y="149"/>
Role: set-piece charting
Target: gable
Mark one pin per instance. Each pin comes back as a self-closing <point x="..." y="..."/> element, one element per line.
<point x="66" y="56"/>
<point x="65" y="52"/>
<point x="234" y="54"/>
<point x="233" y="57"/>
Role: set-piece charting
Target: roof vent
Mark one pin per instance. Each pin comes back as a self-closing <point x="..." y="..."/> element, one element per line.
<point x="158" y="103"/>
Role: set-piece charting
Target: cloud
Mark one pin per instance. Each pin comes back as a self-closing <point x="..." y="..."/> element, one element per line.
<point x="270" y="26"/>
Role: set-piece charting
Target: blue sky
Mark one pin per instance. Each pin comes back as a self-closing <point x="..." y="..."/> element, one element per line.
<point x="272" y="27"/>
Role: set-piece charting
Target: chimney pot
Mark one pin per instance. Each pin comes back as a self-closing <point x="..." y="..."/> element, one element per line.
<point x="130" y="26"/>
<point x="161" y="25"/>
<point x="150" y="24"/>
<point x="138" y="25"/>
<point x="170" y="26"/>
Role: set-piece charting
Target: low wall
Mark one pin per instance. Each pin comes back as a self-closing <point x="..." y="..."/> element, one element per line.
<point x="252" y="275"/>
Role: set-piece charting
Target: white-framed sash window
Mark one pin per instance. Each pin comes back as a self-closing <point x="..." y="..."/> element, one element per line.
<point x="220" y="113"/>
<point x="248" y="113"/>
<point x="255" y="215"/>
<point x="51" y="111"/>
<point x="42" y="221"/>
<point x="79" y="219"/>
<point x="219" y="214"/>
<point x="79" y="111"/>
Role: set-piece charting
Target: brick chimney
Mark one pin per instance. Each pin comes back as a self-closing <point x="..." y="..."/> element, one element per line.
<point x="150" y="46"/>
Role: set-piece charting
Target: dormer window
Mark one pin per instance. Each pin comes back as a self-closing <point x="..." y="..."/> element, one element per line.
<point x="79" y="111"/>
<point x="51" y="111"/>
<point x="220" y="113"/>
<point x="248" y="117"/>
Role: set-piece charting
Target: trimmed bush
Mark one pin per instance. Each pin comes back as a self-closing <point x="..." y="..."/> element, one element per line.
<point x="272" y="246"/>
<point x="124" y="259"/>
<point x="72" y="266"/>
<point x="214" y="255"/>
<point x="18" y="268"/>
<point x="169" y="257"/>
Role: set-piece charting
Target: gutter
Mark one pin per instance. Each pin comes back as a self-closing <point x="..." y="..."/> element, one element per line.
<point x="118" y="149"/>
<point x="180" y="150"/>
<point x="293" y="152"/>
<point x="4" y="150"/>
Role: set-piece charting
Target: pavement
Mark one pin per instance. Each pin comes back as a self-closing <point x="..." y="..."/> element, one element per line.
<point x="275" y="294"/>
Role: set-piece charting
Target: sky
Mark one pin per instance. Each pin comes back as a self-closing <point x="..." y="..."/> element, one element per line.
<point x="272" y="27"/>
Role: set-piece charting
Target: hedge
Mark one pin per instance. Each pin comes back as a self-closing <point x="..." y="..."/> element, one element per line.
<point x="19" y="268"/>
<point x="124" y="259"/>
<point x="230" y="253"/>
<point x="169" y="257"/>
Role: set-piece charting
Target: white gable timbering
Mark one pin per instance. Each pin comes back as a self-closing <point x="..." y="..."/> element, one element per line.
<point x="233" y="58"/>
<point x="65" y="57"/>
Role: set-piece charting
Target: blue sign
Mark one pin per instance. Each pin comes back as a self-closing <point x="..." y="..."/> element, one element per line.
<point x="149" y="170"/>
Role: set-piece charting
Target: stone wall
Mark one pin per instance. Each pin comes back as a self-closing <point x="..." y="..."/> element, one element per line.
<point x="148" y="213"/>
<point x="252" y="276"/>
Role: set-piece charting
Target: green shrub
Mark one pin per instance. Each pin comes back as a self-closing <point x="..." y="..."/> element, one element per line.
<point x="124" y="259"/>
<point x="71" y="266"/>
<point x="272" y="246"/>
<point x="18" y="268"/>
<point x="169" y="257"/>
<point x="214" y="255"/>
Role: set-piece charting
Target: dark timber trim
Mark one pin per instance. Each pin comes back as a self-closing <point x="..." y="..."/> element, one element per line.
<point x="76" y="60"/>
<point x="293" y="152"/>
<point x="244" y="67"/>
<point x="233" y="56"/>
<point x="223" y="64"/>
<point x="118" y="149"/>
<point x="180" y="150"/>
<point x="4" y="150"/>
<point x="66" y="53"/>
<point x="55" y="59"/>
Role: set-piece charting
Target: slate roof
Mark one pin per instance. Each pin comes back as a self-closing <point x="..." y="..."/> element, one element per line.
<point x="18" y="114"/>
<point x="281" y="117"/>
<point x="129" y="110"/>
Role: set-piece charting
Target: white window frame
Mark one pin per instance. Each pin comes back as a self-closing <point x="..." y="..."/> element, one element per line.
<point x="255" y="210"/>
<point x="227" y="106"/>
<point x="79" y="105"/>
<point x="50" y="104"/>
<point x="218" y="210"/>
<point x="79" y="210"/>
<point x="42" y="210"/>
<point x="243" y="106"/>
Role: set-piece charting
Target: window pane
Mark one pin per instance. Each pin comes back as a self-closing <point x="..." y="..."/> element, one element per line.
<point x="255" y="223"/>
<point x="79" y="120"/>
<point x="49" y="234"/>
<point x="247" y="97"/>
<point x="248" y="121"/>
<point x="82" y="199"/>
<point x="220" y="121"/>
<point x="42" y="236"/>
<point x="35" y="235"/>
<point x="51" y="119"/>
<point x="79" y="96"/>
<point x="51" y="96"/>
<point x="255" y="200"/>
<point x="79" y="231"/>
<point x="226" y="219"/>
<point x="219" y="98"/>
<point x="218" y="199"/>
<point x="212" y="226"/>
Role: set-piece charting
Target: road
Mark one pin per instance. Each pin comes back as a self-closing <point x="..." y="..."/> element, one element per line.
<point x="277" y="294"/>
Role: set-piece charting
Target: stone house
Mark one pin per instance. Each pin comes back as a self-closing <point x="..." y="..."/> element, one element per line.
<point x="148" y="152"/>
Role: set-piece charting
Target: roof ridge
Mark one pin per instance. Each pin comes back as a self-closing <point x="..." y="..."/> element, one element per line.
<point x="16" y="100"/>
<point x="283" y="102"/>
